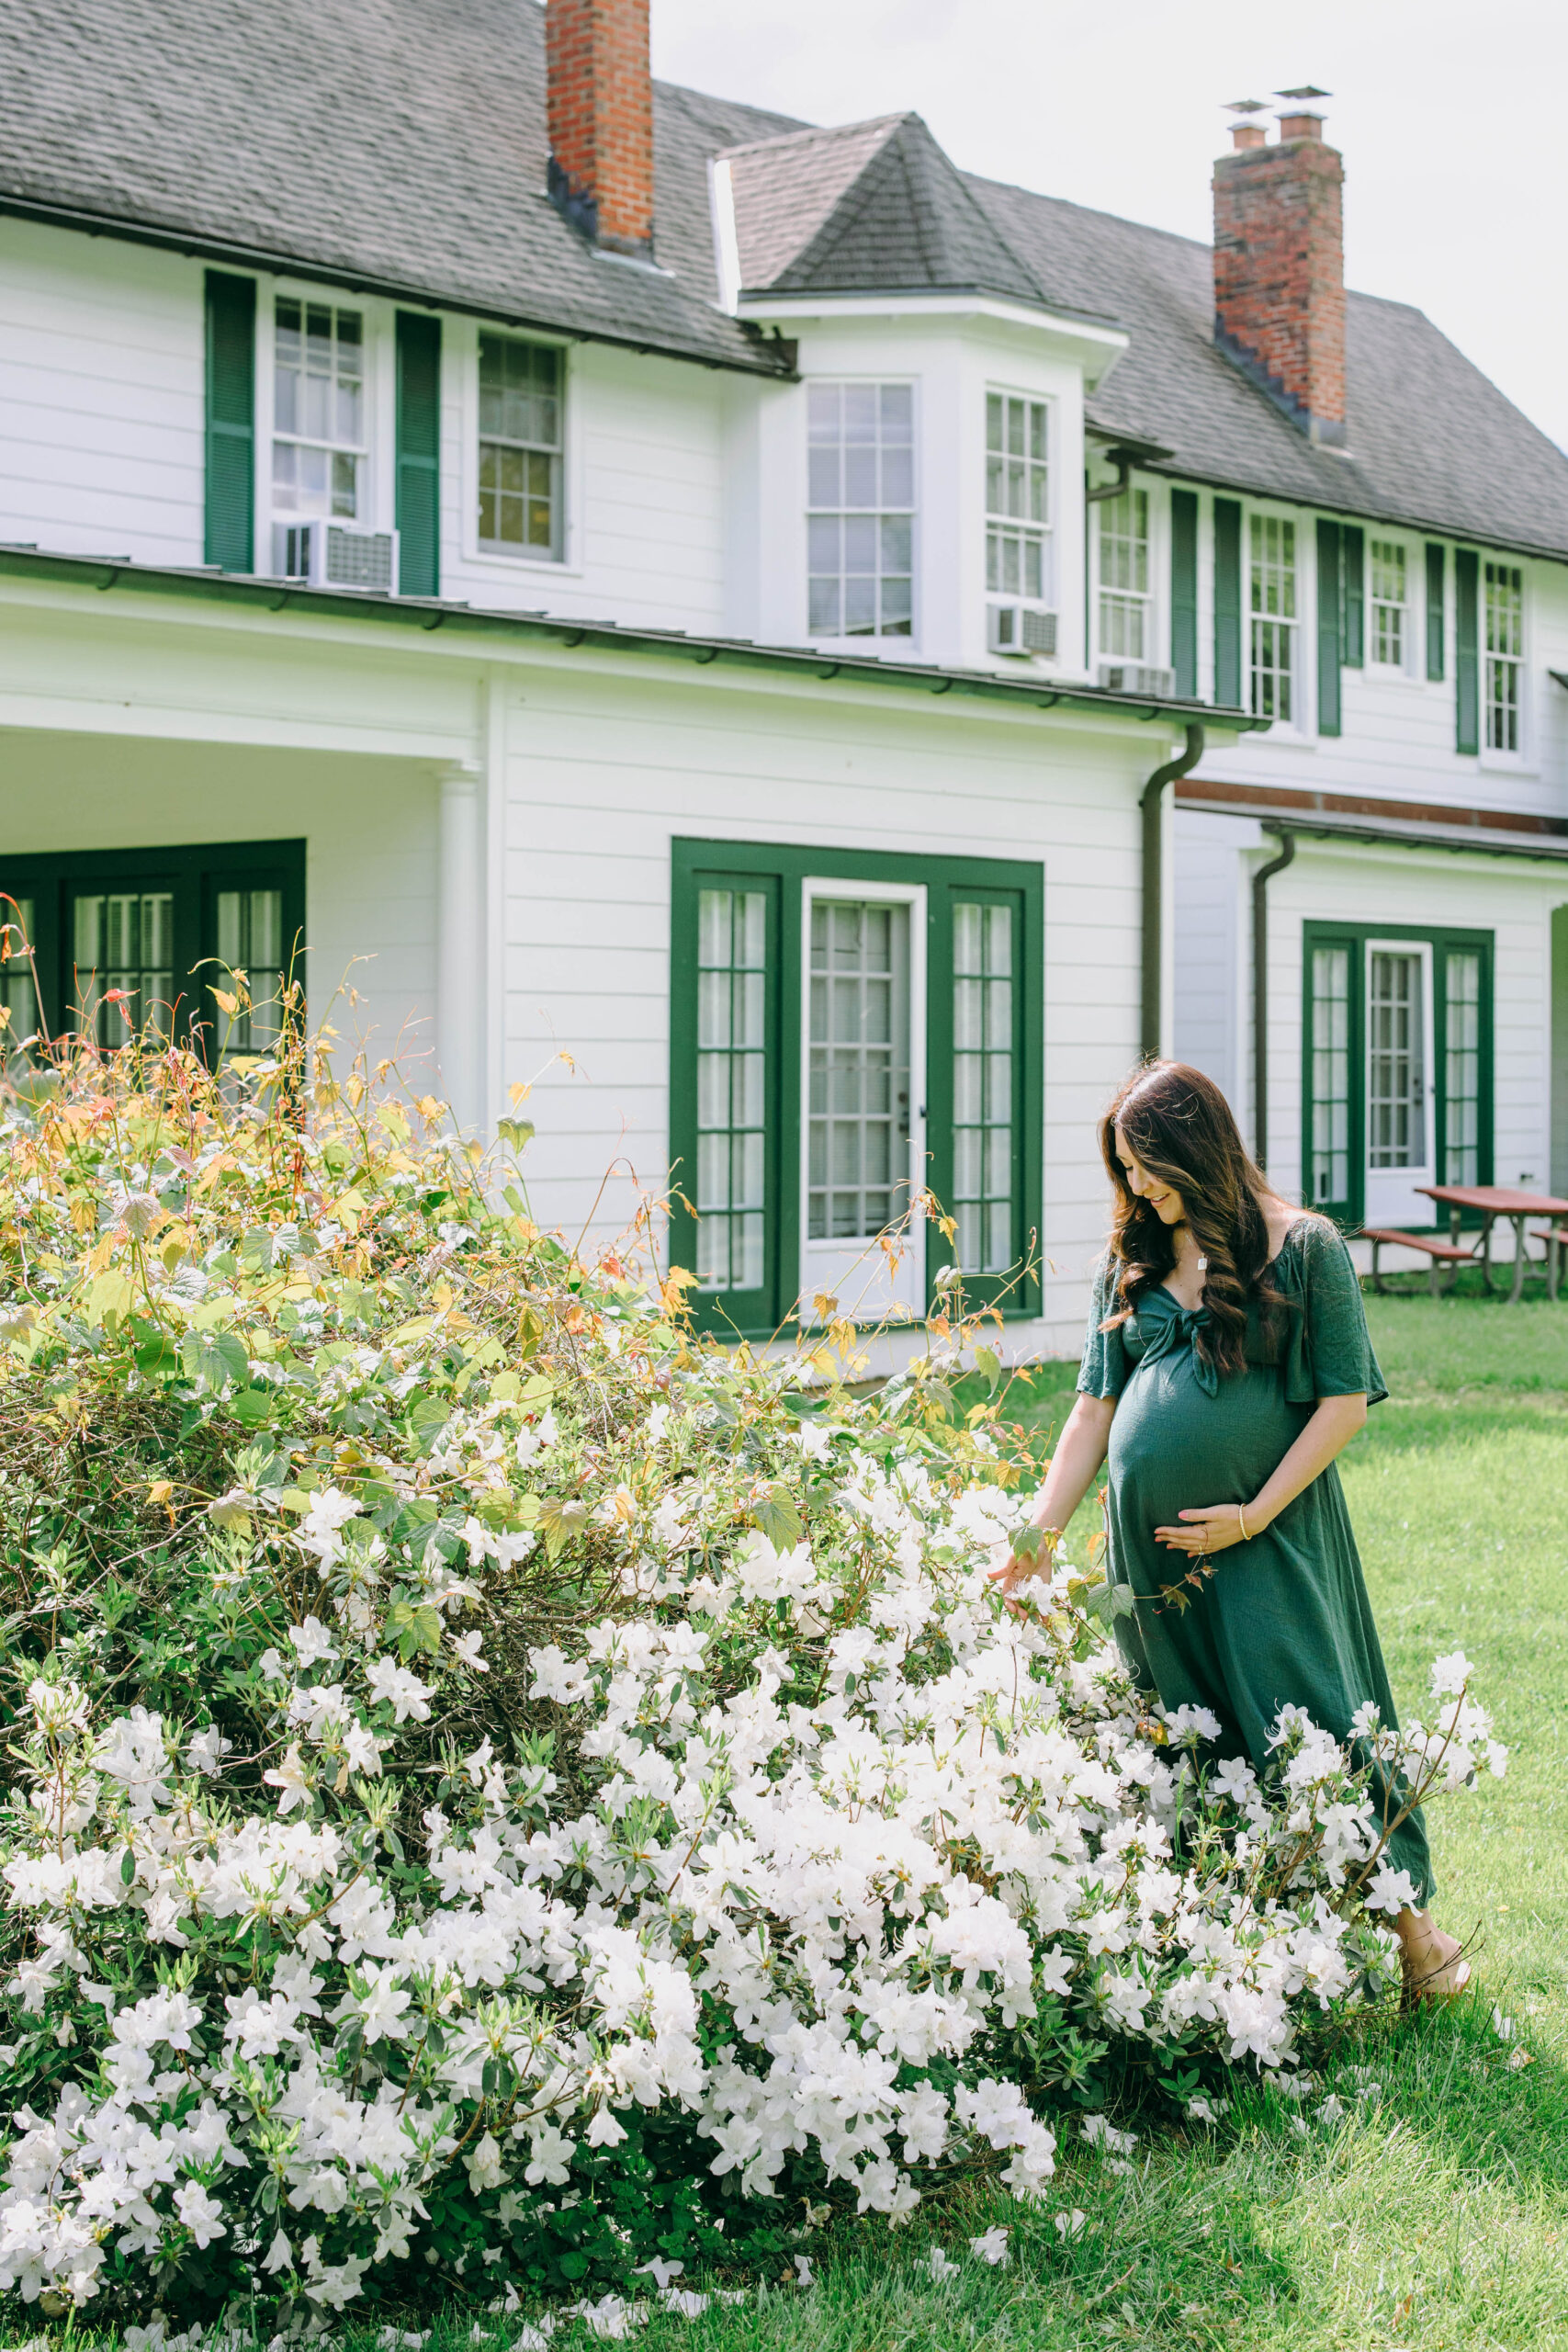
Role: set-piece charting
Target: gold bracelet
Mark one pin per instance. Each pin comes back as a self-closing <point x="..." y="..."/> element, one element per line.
<point x="1241" y="1514"/>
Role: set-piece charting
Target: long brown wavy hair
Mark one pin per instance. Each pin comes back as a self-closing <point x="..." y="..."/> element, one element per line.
<point x="1179" y="1126"/>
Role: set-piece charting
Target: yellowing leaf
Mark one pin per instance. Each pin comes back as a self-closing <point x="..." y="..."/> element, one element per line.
<point x="160" y="1490"/>
<point x="111" y="1294"/>
<point x="229" y="1004"/>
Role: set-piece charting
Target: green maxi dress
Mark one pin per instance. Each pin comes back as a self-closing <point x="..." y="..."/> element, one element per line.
<point x="1285" y="1618"/>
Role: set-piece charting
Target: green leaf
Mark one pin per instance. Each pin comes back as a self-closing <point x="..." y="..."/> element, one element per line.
<point x="990" y="1363"/>
<point x="416" y="1627"/>
<point x="514" y="1133"/>
<point x="127" y="1867"/>
<point x="776" y="1512"/>
<point x="252" y="1406"/>
<point x="559" y="1521"/>
<point x="110" y="1299"/>
<point x="215" y="1358"/>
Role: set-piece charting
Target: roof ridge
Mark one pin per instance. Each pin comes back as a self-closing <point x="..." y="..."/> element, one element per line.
<point x="808" y="130"/>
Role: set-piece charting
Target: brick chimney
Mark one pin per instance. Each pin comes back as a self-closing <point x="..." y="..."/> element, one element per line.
<point x="601" y="120"/>
<point x="1279" y="263"/>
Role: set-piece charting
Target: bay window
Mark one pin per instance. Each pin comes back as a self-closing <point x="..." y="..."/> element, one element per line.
<point x="861" y="497"/>
<point x="848" y="1030"/>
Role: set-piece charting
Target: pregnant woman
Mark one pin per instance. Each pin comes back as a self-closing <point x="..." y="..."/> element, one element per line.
<point x="1227" y="1364"/>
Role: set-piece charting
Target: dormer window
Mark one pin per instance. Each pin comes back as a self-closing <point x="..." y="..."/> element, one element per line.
<point x="860" y="526"/>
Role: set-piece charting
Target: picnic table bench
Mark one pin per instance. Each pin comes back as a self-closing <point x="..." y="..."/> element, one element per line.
<point x="1441" y="1253"/>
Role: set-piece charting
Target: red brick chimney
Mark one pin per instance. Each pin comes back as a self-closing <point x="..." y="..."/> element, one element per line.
<point x="1280" y="264"/>
<point x="601" y="120"/>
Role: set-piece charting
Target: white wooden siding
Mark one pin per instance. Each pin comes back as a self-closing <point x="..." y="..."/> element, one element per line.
<point x="603" y="774"/>
<point x="101" y="427"/>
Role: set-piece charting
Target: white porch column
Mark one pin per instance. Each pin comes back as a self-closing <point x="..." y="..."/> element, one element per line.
<point x="460" y="941"/>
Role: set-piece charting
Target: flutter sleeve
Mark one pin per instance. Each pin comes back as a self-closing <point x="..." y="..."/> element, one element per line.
<point x="1106" y="1365"/>
<point x="1330" y="1349"/>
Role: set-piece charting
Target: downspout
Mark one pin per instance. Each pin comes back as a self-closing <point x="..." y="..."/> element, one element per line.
<point x="1260" y="882"/>
<point x="1153" y="808"/>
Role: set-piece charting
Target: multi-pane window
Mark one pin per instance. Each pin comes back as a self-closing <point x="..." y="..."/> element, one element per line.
<point x="732" y="956"/>
<point x="1462" y="1108"/>
<point x="318" y="411"/>
<point x="1273" y="612"/>
<point x="984" y="1112"/>
<point x="250" y="940"/>
<point x="858" y="1070"/>
<point x="1396" y="1060"/>
<point x="1504" y="654"/>
<point x="1018" y="496"/>
<point x="861" y="527"/>
<point x="1389" y="598"/>
<point x="17" y="995"/>
<point x="1331" y="1074"/>
<point x="519" y="446"/>
<point x="123" y="945"/>
<point x="1125" y="576"/>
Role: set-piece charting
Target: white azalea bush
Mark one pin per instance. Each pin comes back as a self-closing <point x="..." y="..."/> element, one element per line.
<point x="505" y="1797"/>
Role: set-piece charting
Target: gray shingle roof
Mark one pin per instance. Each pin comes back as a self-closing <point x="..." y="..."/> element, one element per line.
<point x="400" y="144"/>
<point x="1430" y="440"/>
<point x="885" y="209"/>
<point x="397" y="145"/>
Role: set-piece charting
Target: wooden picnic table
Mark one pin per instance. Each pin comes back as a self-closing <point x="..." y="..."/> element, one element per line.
<point x="1492" y="1201"/>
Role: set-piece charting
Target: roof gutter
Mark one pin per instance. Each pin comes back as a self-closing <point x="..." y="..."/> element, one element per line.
<point x="1260" y="882"/>
<point x="427" y="614"/>
<point x="1152" y="807"/>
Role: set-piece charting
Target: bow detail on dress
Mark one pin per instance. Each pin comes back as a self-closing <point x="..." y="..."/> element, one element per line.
<point x="1164" y="1334"/>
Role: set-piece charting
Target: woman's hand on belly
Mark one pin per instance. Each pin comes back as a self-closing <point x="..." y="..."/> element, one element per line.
<point x="1214" y="1529"/>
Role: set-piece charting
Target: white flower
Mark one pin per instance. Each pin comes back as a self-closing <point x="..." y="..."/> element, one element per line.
<point x="200" y="2212"/>
<point x="401" y="1687"/>
<point x="1331" y="2110"/>
<point x="658" y="2270"/>
<point x="206" y="1749"/>
<point x="941" y="2264"/>
<point x="1504" y="2028"/>
<point x="465" y="1649"/>
<point x="803" y="2270"/>
<point x="291" y="1777"/>
<point x="991" y="2247"/>
<point x="484" y="2165"/>
<point x="536" y="1440"/>
<point x="1070" y="2225"/>
<point x="313" y="1642"/>
<point x="279" y="2255"/>
<point x="1450" y="1674"/>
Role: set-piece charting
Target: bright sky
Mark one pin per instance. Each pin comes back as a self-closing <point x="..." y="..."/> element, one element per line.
<point x="1450" y="118"/>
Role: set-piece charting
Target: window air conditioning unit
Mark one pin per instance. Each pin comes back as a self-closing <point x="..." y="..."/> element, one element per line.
<point x="329" y="554"/>
<point x="1020" y="629"/>
<point x="1137" y="678"/>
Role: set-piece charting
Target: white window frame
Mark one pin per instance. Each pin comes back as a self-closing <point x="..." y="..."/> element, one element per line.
<point x="1495" y="754"/>
<point x="1157" y="627"/>
<point x="896" y="646"/>
<point x="1050" y="600"/>
<point x="378" y="505"/>
<point x="1414" y="607"/>
<point x="566" y="564"/>
<point x="1301" y="724"/>
<point x="856" y="1272"/>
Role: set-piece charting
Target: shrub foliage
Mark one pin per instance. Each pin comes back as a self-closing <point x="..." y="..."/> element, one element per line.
<point x="500" y="1789"/>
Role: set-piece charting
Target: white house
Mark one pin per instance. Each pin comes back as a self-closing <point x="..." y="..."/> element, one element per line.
<point x="706" y="616"/>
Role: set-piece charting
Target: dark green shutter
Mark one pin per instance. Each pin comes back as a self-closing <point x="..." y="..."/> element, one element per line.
<point x="1228" y="602"/>
<point x="1353" y="608"/>
<point x="230" y="422"/>
<point x="1184" y="590"/>
<point x="1328" y="628"/>
<point x="1435" y="614"/>
<point x="419" y="455"/>
<point x="1467" y="688"/>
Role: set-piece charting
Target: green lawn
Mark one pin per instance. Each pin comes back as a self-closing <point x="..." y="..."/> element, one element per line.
<point x="1434" y="2213"/>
